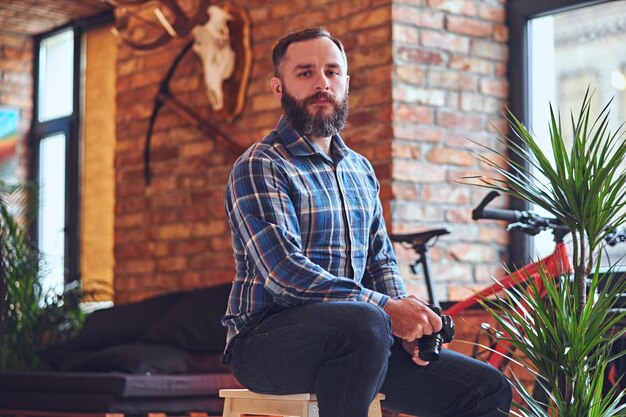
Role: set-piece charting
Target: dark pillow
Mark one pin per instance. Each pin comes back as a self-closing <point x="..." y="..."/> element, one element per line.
<point x="194" y="323"/>
<point x="144" y="359"/>
<point x="51" y="358"/>
<point x="124" y="323"/>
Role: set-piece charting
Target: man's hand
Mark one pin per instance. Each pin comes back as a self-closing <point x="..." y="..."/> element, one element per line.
<point x="411" y="318"/>
<point x="413" y="350"/>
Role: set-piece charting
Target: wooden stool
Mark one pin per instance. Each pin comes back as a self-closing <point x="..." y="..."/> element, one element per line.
<point x="242" y="401"/>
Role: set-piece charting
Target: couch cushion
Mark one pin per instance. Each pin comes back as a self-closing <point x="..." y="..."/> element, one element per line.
<point x="116" y="384"/>
<point x="125" y="322"/>
<point x="144" y="359"/>
<point x="194" y="323"/>
<point x="101" y="403"/>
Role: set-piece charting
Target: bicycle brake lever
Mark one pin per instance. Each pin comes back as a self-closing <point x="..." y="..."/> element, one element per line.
<point x="526" y="228"/>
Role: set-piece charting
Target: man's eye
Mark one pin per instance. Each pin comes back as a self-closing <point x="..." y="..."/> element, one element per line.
<point x="304" y="74"/>
<point x="332" y="73"/>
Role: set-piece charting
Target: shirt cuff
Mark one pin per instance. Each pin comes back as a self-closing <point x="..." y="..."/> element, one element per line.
<point x="374" y="297"/>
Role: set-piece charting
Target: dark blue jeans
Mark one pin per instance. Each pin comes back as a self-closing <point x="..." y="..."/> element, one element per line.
<point x="345" y="353"/>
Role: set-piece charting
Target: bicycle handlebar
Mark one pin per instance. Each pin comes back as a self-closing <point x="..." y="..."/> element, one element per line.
<point x="531" y="223"/>
<point x="480" y="212"/>
<point x="527" y="221"/>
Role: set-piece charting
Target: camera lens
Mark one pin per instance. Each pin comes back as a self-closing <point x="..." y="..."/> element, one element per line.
<point x="430" y="347"/>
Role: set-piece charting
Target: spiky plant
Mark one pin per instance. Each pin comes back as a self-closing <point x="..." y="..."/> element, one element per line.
<point x="20" y="291"/>
<point x="583" y="186"/>
<point x="29" y="318"/>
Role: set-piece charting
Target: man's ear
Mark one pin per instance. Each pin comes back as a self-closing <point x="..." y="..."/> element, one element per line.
<point x="277" y="87"/>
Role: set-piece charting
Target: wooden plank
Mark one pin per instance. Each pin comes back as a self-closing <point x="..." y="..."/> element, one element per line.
<point x="39" y="413"/>
<point x="244" y="393"/>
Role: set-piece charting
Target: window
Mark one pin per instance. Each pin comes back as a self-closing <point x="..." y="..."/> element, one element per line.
<point x="558" y="49"/>
<point x="58" y="142"/>
<point x="55" y="154"/>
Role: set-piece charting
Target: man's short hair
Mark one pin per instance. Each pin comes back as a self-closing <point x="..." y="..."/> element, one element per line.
<point x="280" y="49"/>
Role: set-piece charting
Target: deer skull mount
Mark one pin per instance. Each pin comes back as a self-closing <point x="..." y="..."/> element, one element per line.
<point x="212" y="44"/>
<point x="221" y="39"/>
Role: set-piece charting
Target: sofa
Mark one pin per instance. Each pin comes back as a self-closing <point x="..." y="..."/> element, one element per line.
<point x="159" y="355"/>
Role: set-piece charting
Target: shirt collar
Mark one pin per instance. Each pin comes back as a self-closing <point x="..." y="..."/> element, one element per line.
<point x="300" y="145"/>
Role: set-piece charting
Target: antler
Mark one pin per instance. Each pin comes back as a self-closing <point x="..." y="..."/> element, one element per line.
<point x="162" y="29"/>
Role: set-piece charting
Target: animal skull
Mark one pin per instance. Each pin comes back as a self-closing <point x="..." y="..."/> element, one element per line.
<point x="212" y="44"/>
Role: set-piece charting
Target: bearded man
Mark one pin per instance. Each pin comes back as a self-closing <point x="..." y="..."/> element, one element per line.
<point x="318" y="304"/>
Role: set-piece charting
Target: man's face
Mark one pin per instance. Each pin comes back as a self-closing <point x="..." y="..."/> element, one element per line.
<point x="313" y="88"/>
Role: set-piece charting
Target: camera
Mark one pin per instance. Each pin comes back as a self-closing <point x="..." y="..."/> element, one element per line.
<point x="430" y="345"/>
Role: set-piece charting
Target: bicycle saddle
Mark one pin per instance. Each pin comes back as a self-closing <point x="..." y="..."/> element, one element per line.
<point x="419" y="238"/>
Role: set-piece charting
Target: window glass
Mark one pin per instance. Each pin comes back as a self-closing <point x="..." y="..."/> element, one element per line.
<point x="56" y="76"/>
<point x="568" y="52"/>
<point x="51" y="217"/>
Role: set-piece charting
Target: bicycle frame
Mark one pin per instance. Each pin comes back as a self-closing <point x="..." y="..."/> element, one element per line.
<point x="555" y="264"/>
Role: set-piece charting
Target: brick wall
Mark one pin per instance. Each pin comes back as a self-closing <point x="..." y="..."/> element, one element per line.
<point x="424" y="75"/>
<point x="16" y="89"/>
<point x="173" y="234"/>
<point x="449" y="84"/>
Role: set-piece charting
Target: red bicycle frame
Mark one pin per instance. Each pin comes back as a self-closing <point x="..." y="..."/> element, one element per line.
<point x="555" y="264"/>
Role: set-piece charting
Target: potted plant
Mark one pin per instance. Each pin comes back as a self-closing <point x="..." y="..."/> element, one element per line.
<point x="564" y="337"/>
<point x="29" y="318"/>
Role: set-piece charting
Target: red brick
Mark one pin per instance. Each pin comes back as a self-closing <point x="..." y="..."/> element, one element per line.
<point x="411" y="94"/>
<point x="501" y="33"/>
<point x="496" y="51"/>
<point x="444" y="41"/>
<point x="442" y="78"/>
<point x="410" y="74"/>
<point x="463" y="7"/>
<point x="406" y="150"/>
<point x="414" y="212"/>
<point x="311" y="18"/>
<point x="381" y="74"/>
<point x="470" y="64"/>
<point x="418" y="132"/>
<point x="459" y="121"/>
<point x="370" y="57"/>
<point x="405" y="34"/>
<point x="413" y="113"/>
<point x="378" y="35"/>
<point x="493" y="13"/>
<point x="472" y="253"/>
<point x="172" y="263"/>
<point x="370" y="18"/>
<point x="494" y="87"/>
<point x="404" y="191"/>
<point x="419" y="18"/>
<point x="468" y="26"/>
<point x="450" y="156"/>
<point x="419" y="172"/>
<point x="445" y="193"/>
<point x="418" y="55"/>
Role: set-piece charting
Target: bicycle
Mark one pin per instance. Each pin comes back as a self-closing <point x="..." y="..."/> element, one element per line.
<point x="556" y="264"/>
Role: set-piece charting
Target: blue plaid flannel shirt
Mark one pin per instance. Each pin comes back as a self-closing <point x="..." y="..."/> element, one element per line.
<point x="305" y="228"/>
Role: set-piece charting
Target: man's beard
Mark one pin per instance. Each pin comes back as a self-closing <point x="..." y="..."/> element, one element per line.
<point x="319" y="124"/>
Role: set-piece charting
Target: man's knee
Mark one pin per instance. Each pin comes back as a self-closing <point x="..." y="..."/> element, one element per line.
<point x="364" y="324"/>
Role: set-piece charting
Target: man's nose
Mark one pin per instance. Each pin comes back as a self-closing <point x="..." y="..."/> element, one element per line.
<point x="322" y="82"/>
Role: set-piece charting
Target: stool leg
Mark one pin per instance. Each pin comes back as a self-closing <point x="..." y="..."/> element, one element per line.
<point x="375" y="409"/>
<point x="310" y="409"/>
<point x="228" y="408"/>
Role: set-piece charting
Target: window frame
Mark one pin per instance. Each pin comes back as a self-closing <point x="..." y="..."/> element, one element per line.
<point x="519" y="12"/>
<point x="70" y="126"/>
